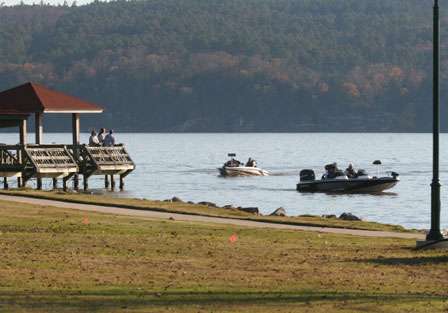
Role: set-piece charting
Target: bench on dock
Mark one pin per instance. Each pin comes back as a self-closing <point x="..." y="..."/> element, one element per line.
<point x="36" y="161"/>
<point x="99" y="160"/>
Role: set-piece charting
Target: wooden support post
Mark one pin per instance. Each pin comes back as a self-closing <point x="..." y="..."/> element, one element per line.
<point x="76" y="142"/>
<point x="64" y="184"/>
<point x="112" y="182"/>
<point x="121" y="182"/>
<point x="106" y="181"/>
<point x="39" y="183"/>
<point x="5" y="183"/>
<point x="55" y="183"/>
<point x="23" y="132"/>
<point x="38" y="129"/>
<point x="86" y="182"/>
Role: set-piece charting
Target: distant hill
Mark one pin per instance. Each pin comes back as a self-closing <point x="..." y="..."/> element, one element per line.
<point x="233" y="65"/>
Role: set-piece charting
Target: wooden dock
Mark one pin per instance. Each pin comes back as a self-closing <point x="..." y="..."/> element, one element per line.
<point x="63" y="162"/>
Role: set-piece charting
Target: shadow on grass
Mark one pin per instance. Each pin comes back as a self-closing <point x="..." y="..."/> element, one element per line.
<point x="421" y="260"/>
<point x="104" y="300"/>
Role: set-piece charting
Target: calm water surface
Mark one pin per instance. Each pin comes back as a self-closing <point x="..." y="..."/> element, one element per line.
<point x="185" y="165"/>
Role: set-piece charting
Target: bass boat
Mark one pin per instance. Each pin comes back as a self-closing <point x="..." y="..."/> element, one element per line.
<point x="234" y="167"/>
<point x="341" y="183"/>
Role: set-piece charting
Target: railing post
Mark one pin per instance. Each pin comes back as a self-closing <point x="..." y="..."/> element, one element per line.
<point x="5" y="183"/>
<point x="55" y="183"/>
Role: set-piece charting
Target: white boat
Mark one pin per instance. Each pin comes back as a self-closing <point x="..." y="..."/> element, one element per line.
<point x="242" y="171"/>
<point x="234" y="168"/>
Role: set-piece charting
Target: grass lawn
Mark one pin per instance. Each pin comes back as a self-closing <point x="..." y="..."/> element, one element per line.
<point x="60" y="260"/>
<point x="180" y="207"/>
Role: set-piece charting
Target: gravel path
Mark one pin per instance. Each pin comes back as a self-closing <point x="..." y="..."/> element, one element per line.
<point x="204" y="219"/>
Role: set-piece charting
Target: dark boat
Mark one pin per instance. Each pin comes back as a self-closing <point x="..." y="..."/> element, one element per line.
<point x="343" y="184"/>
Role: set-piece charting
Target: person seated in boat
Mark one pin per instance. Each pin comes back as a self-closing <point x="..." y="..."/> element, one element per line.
<point x="331" y="170"/>
<point x="251" y="163"/>
<point x="93" y="139"/>
<point x="233" y="163"/>
<point x="350" y="171"/>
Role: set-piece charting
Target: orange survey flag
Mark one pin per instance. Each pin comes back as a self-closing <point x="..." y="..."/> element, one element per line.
<point x="233" y="238"/>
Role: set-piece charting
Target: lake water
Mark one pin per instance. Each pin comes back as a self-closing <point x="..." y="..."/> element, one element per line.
<point x="185" y="165"/>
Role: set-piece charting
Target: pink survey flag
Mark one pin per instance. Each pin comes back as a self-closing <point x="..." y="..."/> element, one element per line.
<point x="85" y="221"/>
<point x="233" y="238"/>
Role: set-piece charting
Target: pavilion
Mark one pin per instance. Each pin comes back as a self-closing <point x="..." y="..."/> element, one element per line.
<point x="25" y="161"/>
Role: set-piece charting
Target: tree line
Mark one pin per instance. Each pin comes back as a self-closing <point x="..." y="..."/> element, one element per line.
<point x="234" y="65"/>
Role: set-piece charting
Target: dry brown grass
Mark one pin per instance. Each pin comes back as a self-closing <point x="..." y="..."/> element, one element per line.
<point x="59" y="260"/>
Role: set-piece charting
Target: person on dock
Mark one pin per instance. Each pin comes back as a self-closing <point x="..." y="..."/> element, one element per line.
<point x="93" y="139"/>
<point x="109" y="140"/>
<point x="102" y="135"/>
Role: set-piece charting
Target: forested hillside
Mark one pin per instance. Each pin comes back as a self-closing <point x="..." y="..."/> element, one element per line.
<point x="232" y="65"/>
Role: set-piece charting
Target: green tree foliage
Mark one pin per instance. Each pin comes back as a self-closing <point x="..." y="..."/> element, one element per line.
<point x="234" y="65"/>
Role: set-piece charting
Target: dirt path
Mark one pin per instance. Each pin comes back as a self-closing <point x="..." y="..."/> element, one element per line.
<point x="204" y="219"/>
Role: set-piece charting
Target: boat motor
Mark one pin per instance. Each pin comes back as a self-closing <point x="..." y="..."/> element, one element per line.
<point x="307" y="175"/>
<point x="394" y="175"/>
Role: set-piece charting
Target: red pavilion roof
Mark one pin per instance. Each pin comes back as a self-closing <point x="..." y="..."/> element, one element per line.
<point x="34" y="98"/>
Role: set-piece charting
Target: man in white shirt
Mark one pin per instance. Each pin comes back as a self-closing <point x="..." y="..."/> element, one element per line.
<point x="101" y="135"/>
<point x="109" y="140"/>
<point x="93" y="139"/>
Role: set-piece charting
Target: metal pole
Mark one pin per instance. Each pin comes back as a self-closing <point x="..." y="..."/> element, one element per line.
<point x="434" y="233"/>
<point x="76" y="142"/>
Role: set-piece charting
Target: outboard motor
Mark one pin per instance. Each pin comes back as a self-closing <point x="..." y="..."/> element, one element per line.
<point x="394" y="175"/>
<point x="307" y="175"/>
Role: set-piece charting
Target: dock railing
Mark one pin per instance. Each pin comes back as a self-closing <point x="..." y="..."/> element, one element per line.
<point x="64" y="161"/>
<point x="10" y="160"/>
<point x="103" y="160"/>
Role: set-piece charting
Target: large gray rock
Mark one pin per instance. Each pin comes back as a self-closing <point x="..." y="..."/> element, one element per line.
<point x="279" y="212"/>
<point x="349" y="217"/>
<point x="176" y="199"/>
<point x="252" y="210"/>
<point x="210" y="204"/>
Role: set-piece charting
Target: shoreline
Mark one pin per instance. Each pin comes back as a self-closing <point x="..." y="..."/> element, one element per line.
<point x="206" y="210"/>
